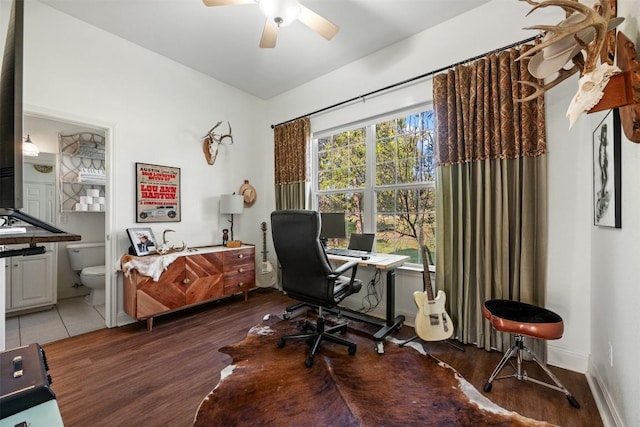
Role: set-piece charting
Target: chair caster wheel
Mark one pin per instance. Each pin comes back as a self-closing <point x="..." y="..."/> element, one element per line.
<point x="487" y="387"/>
<point x="286" y="315"/>
<point x="281" y="343"/>
<point x="309" y="362"/>
<point x="352" y="350"/>
<point x="573" y="402"/>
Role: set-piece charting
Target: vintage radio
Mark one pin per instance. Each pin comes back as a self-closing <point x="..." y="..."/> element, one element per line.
<point x="24" y="378"/>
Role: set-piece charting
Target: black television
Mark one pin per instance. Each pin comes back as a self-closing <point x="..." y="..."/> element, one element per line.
<point x="11" y="111"/>
<point x="332" y="226"/>
<point x="11" y="196"/>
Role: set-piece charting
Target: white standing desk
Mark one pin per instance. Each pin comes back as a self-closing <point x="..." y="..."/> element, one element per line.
<point x="382" y="262"/>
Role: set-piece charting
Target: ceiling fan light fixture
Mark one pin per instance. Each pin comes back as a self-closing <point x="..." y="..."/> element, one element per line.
<point x="282" y="12"/>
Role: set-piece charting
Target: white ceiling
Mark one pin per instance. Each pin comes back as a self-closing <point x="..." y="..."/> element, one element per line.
<point x="223" y="41"/>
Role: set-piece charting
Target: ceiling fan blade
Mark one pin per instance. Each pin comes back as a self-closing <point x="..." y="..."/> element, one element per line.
<point x="269" y="34"/>
<point x="322" y="26"/>
<point x="226" y="2"/>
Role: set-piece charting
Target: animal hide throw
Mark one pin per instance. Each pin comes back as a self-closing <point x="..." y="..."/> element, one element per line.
<point x="270" y="386"/>
<point x="149" y="266"/>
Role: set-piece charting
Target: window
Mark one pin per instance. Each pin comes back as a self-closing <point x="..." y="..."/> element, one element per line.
<point x="382" y="176"/>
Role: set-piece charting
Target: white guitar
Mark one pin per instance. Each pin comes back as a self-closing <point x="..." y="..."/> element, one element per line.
<point x="266" y="275"/>
<point x="432" y="321"/>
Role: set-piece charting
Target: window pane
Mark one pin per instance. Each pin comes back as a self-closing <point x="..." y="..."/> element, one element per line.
<point x="404" y="150"/>
<point x="401" y="213"/>
<point x="342" y="160"/>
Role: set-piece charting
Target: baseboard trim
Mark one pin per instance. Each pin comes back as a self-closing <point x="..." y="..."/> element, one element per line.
<point x="604" y="402"/>
<point x="563" y="358"/>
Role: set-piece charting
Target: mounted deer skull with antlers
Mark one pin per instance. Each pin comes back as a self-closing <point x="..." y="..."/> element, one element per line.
<point x="212" y="142"/>
<point x="584" y="29"/>
<point x="165" y="247"/>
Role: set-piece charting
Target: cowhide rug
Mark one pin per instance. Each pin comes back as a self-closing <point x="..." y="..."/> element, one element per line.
<point x="270" y="386"/>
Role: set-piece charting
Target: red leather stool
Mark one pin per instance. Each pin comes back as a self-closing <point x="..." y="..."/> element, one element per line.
<point x="522" y="320"/>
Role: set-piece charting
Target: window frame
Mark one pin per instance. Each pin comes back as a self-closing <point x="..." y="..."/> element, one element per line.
<point x="370" y="188"/>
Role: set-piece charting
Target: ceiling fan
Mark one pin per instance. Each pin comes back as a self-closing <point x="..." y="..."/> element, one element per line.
<point x="280" y="13"/>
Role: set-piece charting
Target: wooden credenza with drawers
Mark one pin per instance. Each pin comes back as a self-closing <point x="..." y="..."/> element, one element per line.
<point x="194" y="277"/>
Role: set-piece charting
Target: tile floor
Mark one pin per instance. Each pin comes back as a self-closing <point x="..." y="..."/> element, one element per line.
<point x="71" y="316"/>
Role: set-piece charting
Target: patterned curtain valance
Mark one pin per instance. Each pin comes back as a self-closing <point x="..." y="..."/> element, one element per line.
<point x="481" y="119"/>
<point x="292" y="141"/>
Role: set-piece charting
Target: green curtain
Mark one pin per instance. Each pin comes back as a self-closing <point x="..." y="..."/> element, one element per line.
<point x="491" y="190"/>
<point x="292" y="142"/>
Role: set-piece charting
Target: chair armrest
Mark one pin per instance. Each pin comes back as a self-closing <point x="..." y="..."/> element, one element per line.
<point x="344" y="267"/>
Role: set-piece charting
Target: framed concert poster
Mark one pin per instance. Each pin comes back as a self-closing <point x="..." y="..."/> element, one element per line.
<point x="606" y="172"/>
<point x="157" y="193"/>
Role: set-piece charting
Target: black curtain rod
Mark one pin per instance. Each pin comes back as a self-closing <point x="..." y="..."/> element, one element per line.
<point x="412" y="79"/>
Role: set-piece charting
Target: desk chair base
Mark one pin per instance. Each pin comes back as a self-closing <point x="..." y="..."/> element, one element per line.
<point x="286" y="314"/>
<point x="319" y="334"/>
<point x="518" y="348"/>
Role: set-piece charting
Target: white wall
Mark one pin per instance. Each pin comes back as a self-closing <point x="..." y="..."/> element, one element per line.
<point x="615" y="277"/>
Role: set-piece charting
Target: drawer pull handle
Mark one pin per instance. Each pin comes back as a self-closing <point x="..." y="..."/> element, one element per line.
<point x="241" y="285"/>
<point x="241" y="270"/>
<point x="240" y="255"/>
<point x="186" y="280"/>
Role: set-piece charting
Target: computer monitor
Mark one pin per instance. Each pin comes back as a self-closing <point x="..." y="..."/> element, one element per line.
<point x="333" y="226"/>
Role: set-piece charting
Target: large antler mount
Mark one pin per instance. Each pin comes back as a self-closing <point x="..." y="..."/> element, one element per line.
<point x="596" y="20"/>
<point x="584" y="29"/>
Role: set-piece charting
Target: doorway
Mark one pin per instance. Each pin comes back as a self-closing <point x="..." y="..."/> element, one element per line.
<point x="44" y="131"/>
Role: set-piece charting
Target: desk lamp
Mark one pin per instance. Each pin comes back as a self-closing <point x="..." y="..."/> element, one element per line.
<point x="231" y="204"/>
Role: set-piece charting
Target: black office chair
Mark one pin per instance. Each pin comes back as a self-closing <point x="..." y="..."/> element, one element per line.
<point x="307" y="275"/>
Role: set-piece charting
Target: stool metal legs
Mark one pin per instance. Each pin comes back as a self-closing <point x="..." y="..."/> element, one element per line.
<point x="518" y="347"/>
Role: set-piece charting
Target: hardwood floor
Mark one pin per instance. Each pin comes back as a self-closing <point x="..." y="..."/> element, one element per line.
<point x="129" y="376"/>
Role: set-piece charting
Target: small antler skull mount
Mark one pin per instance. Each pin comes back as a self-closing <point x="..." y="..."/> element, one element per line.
<point x="212" y="141"/>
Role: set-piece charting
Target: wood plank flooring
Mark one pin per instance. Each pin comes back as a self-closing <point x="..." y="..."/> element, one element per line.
<point x="129" y="376"/>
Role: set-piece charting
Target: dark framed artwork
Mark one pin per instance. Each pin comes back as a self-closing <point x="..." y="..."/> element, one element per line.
<point x="606" y="172"/>
<point x="142" y="240"/>
<point x="157" y="193"/>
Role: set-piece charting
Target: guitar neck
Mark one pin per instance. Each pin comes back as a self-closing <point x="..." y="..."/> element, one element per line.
<point x="264" y="242"/>
<point x="426" y="275"/>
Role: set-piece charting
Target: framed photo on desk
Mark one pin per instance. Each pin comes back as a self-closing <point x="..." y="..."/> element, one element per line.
<point x="142" y="240"/>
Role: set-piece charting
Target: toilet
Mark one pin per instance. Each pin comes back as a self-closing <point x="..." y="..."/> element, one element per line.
<point x="87" y="259"/>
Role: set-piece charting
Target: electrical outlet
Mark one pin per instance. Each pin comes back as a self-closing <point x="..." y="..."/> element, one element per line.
<point x="610" y="354"/>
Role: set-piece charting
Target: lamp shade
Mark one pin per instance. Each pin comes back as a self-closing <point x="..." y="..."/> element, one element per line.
<point x="231" y="203"/>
